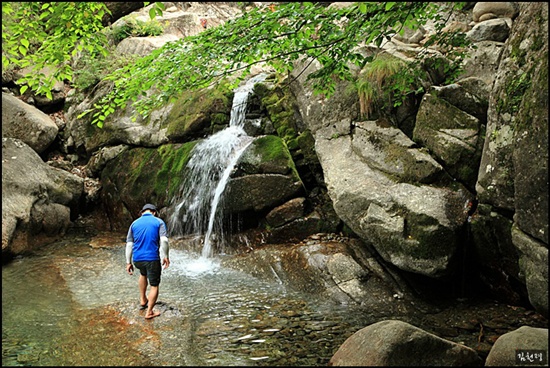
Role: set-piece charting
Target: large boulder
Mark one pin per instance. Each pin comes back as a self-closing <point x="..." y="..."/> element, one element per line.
<point x="119" y="128"/>
<point x="454" y="137"/>
<point x="23" y="121"/>
<point x="37" y="199"/>
<point x="483" y="10"/>
<point x="397" y="343"/>
<point x="409" y="225"/>
<point x="490" y="30"/>
<point x="376" y="179"/>
<point x="265" y="178"/>
<point x="524" y="346"/>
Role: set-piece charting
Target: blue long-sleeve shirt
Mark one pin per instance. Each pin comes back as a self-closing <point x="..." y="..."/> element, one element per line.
<point x="144" y="239"/>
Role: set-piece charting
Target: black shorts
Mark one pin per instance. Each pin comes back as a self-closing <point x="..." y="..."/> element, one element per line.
<point x="151" y="270"/>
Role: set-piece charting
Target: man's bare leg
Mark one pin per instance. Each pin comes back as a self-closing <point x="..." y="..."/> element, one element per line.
<point x="153" y="295"/>
<point x="142" y="283"/>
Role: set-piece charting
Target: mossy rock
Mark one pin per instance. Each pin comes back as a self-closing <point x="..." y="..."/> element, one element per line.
<point x="267" y="155"/>
<point x="195" y="113"/>
<point x="143" y="175"/>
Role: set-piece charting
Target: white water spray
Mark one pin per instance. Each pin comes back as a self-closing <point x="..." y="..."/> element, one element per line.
<point x="199" y="206"/>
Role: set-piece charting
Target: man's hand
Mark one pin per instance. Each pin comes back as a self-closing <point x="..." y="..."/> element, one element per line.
<point x="130" y="268"/>
<point x="165" y="263"/>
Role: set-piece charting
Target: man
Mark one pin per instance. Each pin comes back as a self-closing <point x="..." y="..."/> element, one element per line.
<point x="147" y="242"/>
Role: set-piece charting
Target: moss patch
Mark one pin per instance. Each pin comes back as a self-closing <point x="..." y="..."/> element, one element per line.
<point x="147" y="174"/>
<point x="196" y="110"/>
<point x="174" y="159"/>
<point x="273" y="150"/>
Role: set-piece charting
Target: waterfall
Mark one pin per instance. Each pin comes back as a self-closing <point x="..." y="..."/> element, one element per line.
<point x="198" y="208"/>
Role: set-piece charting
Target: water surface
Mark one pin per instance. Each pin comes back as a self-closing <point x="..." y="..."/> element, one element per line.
<point x="72" y="303"/>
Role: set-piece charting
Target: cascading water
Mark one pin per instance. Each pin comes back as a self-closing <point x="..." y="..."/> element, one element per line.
<point x="198" y="207"/>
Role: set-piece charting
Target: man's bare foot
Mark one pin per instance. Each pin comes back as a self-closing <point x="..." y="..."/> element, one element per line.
<point x="152" y="315"/>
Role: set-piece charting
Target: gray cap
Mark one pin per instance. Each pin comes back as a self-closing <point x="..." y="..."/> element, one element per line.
<point x="149" y="206"/>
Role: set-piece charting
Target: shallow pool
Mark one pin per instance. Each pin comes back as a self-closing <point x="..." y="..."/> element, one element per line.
<point x="72" y="303"/>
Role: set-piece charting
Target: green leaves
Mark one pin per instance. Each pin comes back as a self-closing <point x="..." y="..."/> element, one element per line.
<point x="49" y="34"/>
<point x="157" y="9"/>
<point x="275" y="36"/>
<point x="39" y="35"/>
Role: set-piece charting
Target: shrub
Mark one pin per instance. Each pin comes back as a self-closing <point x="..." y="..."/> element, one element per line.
<point x="383" y="83"/>
<point x="136" y="28"/>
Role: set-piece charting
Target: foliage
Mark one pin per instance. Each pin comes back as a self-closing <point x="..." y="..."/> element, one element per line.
<point x="36" y="35"/>
<point x="276" y="35"/>
<point x="89" y="69"/>
<point x="47" y="35"/>
<point x="136" y="28"/>
<point x="379" y="83"/>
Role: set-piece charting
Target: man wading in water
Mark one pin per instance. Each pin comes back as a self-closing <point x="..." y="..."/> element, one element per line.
<point x="147" y="241"/>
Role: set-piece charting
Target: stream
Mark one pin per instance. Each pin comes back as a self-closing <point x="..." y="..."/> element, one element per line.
<point x="71" y="303"/>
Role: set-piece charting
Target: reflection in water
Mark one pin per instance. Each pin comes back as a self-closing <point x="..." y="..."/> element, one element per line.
<point x="71" y="304"/>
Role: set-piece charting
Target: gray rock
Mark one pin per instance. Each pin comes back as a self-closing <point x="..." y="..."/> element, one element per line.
<point x="142" y="46"/>
<point x="533" y="263"/>
<point x="451" y="135"/>
<point x="491" y="30"/>
<point x="397" y="343"/>
<point x="495" y="9"/>
<point x="23" y="121"/>
<point x="286" y="212"/>
<point x="503" y="353"/>
<point x="36" y="198"/>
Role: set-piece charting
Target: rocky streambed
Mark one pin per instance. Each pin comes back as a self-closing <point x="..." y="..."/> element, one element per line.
<point x="72" y="303"/>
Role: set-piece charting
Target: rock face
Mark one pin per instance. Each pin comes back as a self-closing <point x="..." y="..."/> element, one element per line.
<point x="384" y="187"/>
<point x="421" y="235"/>
<point x="396" y="343"/>
<point x="513" y="173"/>
<point x="36" y="199"/>
<point x="256" y="188"/>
